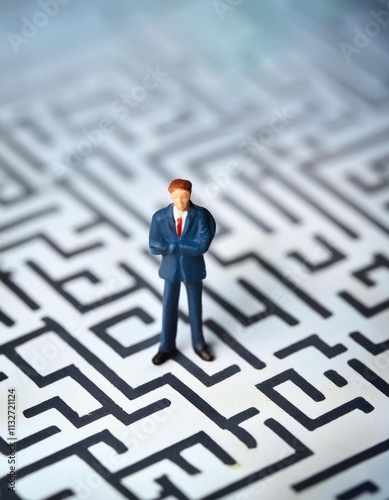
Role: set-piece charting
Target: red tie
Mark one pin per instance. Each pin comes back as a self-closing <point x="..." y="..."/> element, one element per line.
<point x="179" y="226"/>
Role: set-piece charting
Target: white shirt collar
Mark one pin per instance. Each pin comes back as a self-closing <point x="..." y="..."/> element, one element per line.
<point x="178" y="214"/>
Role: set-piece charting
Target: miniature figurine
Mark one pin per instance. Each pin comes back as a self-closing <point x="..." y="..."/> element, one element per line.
<point x="181" y="232"/>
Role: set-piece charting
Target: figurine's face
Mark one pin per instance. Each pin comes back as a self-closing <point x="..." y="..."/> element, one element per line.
<point x="181" y="199"/>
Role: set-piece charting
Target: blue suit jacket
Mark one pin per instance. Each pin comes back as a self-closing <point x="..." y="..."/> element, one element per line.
<point x="182" y="258"/>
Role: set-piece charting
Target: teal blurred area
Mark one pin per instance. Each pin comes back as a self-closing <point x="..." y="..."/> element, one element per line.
<point x="239" y="36"/>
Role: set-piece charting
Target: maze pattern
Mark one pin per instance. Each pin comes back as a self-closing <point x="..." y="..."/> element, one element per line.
<point x="296" y="302"/>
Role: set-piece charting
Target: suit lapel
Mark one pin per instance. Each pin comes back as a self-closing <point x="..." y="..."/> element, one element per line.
<point x="189" y="219"/>
<point x="171" y="222"/>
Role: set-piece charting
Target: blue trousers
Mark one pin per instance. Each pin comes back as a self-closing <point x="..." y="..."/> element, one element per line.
<point x="171" y="294"/>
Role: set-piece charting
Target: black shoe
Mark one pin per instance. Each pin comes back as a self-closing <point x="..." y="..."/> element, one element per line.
<point x="161" y="357"/>
<point x="204" y="354"/>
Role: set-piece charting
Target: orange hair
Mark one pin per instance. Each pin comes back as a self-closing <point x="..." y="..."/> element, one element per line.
<point x="180" y="184"/>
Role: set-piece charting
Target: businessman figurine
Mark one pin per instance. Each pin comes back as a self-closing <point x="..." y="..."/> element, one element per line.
<point x="181" y="233"/>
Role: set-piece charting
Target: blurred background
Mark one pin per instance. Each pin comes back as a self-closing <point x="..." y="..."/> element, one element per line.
<point x="262" y="54"/>
<point x="234" y="34"/>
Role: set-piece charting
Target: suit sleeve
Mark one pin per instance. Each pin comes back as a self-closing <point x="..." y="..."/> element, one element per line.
<point x="157" y="243"/>
<point x="200" y="244"/>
